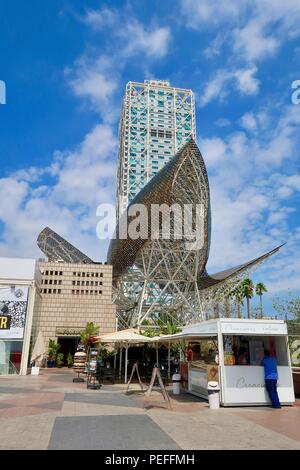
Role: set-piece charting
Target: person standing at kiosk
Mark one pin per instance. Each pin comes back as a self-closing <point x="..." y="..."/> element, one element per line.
<point x="271" y="376"/>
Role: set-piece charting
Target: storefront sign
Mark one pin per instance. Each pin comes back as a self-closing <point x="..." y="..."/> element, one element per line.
<point x="68" y="331"/>
<point x="5" y="321"/>
<point x="261" y="328"/>
<point x="246" y="384"/>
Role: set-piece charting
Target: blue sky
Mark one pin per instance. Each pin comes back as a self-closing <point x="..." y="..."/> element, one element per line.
<point x="66" y="64"/>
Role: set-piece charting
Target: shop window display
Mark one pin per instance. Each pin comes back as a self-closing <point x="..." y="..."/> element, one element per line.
<point x="249" y="350"/>
<point x="10" y="357"/>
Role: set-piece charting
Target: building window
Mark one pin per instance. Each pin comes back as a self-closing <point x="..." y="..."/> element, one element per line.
<point x="96" y="283"/>
<point x="87" y="283"/>
<point x="56" y="273"/>
<point x="49" y="291"/>
<point x="87" y="274"/>
<point x="45" y="291"/>
<point x="100" y="283"/>
<point x="74" y="274"/>
<point x="59" y="282"/>
<point x="54" y="291"/>
<point x="47" y="272"/>
<point x="86" y="291"/>
<point x="58" y="291"/>
<point x="100" y="291"/>
<point x="92" y="283"/>
<point x="77" y="292"/>
<point x="82" y="283"/>
<point x="73" y="283"/>
<point x="51" y="273"/>
<point x="73" y="292"/>
<point x="50" y="281"/>
<point x="55" y="281"/>
<point x="92" y="274"/>
<point x="82" y="291"/>
<point x="97" y="274"/>
<point x="91" y="291"/>
<point x="60" y="273"/>
<point x="101" y="274"/>
<point x="83" y="274"/>
<point x="78" y="283"/>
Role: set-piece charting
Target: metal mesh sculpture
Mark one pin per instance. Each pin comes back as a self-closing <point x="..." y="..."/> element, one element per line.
<point x="57" y="248"/>
<point x="158" y="278"/>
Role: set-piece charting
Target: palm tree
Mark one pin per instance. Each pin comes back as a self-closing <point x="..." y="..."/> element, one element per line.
<point x="248" y="292"/>
<point x="260" y="289"/>
<point x="236" y="294"/>
<point x="87" y="335"/>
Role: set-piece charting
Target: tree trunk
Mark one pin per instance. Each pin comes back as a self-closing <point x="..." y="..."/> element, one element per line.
<point x="248" y="307"/>
<point x="227" y="307"/>
<point x="261" y="307"/>
<point x="216" y="310"/>
<point x="239" y="310"/>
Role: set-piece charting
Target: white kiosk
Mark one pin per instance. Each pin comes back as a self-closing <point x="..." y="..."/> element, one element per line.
<point x="230" y="351"/>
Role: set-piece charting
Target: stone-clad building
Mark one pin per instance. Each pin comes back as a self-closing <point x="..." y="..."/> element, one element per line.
<point x="72" y="294"/>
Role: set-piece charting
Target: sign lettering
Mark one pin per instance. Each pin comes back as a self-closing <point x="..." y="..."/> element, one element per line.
<point x="5" y="322"/>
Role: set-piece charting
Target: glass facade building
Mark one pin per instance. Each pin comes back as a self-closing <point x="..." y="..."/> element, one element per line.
<point x="156" y="121"/>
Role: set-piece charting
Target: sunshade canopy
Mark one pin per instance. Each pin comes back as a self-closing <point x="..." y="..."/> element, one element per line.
<point x="129" y="336"/>
<point x="39" y="348"/>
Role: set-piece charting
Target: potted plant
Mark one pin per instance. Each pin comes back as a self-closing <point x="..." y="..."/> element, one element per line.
<point x="70" y="360"/>
<point x="88" y="334"/>
<point x="53" y="347"/>
<point x="59" y="359"/>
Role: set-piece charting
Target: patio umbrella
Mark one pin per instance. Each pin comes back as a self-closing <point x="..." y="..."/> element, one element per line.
<point x="39" y="349"/>
<point x="123" y="338"/>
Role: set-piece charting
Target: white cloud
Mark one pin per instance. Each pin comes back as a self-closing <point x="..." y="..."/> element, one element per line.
<point x="98" y="19"/>
<point x="248" y="122"/>
<point x="203" y="13"/>
<point x="95" y="80"/>
<point x="259" y="27"/>
<point x="84" y="178"/>
<point x="96" y="77"/>
<point x="222" y="122"/>
<point x="152" y="42"/>
<point x="253" y="43"/>
<point x="249" y="183"/>
<point x="247" y="83"/>
<point x="224" y="81"/>
<point x="214" y="150"/>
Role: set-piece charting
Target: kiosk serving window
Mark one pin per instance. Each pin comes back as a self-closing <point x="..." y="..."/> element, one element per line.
<point x="241" y="350"/>
<point x="203" y="350"/>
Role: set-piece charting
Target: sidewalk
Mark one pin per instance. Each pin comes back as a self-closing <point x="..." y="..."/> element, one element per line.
<point x="49" y="411"/>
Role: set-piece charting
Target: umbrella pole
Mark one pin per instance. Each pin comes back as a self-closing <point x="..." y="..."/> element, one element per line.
<point x="157" y="354"/>
<point x="169" y="360"/>
<point x="115" y="360"/>
<point x="126" y="360"/>
<point x="120" y="365"/>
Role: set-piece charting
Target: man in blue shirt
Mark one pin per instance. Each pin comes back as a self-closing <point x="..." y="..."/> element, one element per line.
<point x="271" y="377"/>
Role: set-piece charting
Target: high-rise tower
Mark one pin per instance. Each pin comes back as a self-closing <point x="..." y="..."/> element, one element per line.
<point x="157" y="120"/>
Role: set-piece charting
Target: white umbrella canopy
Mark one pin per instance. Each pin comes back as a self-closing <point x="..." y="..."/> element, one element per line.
<point x="39" y="349"/>
<point x="129" y="336"/>
<point x="124" y="338"/>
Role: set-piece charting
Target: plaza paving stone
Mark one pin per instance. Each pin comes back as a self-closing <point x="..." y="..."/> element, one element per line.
<point x="49" y="411"/>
